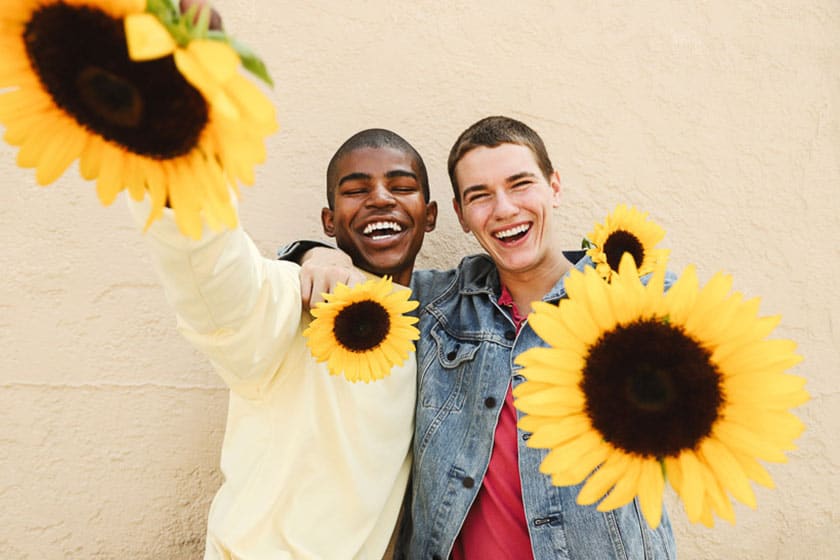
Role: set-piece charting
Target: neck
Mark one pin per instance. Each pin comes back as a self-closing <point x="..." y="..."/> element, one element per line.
<point x="403" y="277"/>
<point x="533" y="285"/>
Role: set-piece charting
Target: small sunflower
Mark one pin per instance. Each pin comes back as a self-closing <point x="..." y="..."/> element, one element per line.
<point x="626" y="231"/>
<point x="361" y="332"/>
<point x="145" y="99"/>
<point x="638" y="385"/>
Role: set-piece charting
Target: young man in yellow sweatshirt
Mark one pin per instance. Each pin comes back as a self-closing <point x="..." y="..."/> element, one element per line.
<point x="315" y="466"/>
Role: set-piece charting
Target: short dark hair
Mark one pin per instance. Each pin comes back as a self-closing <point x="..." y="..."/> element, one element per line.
<point x="375" y="138"/>
<point x="494" y="131"/>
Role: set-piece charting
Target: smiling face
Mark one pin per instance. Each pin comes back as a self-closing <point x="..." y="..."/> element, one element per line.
<point x="380" y="215"/>
<point x="506" y="202"/>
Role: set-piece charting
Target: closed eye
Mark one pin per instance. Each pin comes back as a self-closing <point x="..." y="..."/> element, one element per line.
<point x="476" y="196"/>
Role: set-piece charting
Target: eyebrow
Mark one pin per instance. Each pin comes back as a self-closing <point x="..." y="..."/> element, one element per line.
<point x="358" y="176"/>
<point x="511" y="179"/>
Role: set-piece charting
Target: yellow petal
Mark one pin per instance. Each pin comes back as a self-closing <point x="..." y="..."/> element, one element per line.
<point x="562" y="430"/>
<point x="109" y="182"/>
<point x="60" y="151"/>
<point x="691" y="487"/>
<point x="147" y="38"/>
<point x="252" y="102"/>
<point x="604" y="478"/>
<point x="217" y="58"/>
<point x="626" y="486"/>
<point x="90" y="160"/>
<point x="569" y="454"/>
<point x="651" y="487"/>
<point x="191" y="64"/>
<point x="727" y="470"/>
<point x="552" y="401"/>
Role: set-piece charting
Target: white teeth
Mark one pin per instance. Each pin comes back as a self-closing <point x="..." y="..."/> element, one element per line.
<point x="504" y="234"/>
<point x="376" y="226"/>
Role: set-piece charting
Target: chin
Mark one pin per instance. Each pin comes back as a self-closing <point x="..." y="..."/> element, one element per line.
<point x="383" y="268"/>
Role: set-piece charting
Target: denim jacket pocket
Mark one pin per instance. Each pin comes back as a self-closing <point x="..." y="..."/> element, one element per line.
<point x="444" y="371"/>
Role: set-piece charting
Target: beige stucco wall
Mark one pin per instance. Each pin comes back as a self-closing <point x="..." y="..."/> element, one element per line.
<point x="720" y="118"/>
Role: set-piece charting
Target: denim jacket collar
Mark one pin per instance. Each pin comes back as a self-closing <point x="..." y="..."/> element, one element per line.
<point x="482" y="277"/>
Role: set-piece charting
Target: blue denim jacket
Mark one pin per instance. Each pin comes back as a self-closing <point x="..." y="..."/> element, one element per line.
<point x="465" y="361"/>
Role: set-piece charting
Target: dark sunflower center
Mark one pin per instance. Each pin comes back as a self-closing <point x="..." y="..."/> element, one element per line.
<point x="651" y="389"/>
<point x="81" y="58"/>
<point x="362" y="326"/>
<point x="620" y="242"/>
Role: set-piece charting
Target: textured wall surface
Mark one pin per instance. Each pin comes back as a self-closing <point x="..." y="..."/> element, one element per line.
<point x="719" y="118"/>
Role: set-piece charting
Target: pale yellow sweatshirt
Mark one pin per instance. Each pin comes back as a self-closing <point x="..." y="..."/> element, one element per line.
<point x="314" y="466"/>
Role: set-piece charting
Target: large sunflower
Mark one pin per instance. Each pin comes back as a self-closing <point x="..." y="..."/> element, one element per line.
<point x="361" y="332"/>
<point x="626" y="230"/>
<point x="146" y="100"/>
<point x="637" y="385"/>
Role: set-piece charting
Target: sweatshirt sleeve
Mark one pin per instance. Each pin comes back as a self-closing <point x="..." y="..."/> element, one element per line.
<point x="240" y="309"/>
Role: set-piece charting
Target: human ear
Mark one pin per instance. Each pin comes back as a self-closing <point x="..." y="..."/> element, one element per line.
<point x="431" y="216"/>
<point x="327" y="222"/>
<point x="554" y="182"/>
<point x="460" y="213"/>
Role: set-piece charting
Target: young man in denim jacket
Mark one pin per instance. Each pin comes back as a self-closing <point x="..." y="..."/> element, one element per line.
<point x="477" y="489"/>
<point x="478" y="492"/>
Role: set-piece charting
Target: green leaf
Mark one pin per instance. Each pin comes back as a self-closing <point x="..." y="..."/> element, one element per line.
<point x="185" y="27"/>
<point x="163" y="10"/>
<point x="586" y="244"/>
<point x="201" y="27"/>
<point x="252" y="62"/>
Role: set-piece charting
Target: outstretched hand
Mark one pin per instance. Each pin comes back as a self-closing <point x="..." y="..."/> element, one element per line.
<point x="321" y="269"/>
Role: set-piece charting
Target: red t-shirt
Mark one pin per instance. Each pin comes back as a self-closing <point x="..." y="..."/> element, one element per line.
<point x="495" y="526"/>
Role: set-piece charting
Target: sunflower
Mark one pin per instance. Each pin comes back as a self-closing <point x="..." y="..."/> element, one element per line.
<point x="626" y="231"/>
<point x="361" y="331"/>
<point x="145" y="99"/>
<point x="638" y="385"/>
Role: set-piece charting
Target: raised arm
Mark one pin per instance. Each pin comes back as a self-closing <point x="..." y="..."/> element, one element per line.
<point x="239" y="308"/>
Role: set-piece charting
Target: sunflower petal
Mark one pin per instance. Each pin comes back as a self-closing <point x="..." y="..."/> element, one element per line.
<point x="147" y="38"/>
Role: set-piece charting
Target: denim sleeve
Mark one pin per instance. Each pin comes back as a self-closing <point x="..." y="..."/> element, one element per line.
<point x="426" y="285"/>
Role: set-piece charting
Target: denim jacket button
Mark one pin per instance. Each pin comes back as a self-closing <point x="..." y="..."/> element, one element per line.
<point x="468" y="482"/>
<point x="451" y="356"/>
<point x="490" y="402"/>
<point x="510" y="335"/>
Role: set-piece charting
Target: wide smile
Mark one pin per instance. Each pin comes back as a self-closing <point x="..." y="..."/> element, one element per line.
<point x="383" y="230"/>
<point x="510" y="235"/>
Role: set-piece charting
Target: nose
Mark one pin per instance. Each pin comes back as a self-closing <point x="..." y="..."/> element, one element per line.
<point x="504" y="207"/>
<point x="380" y="196"/>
